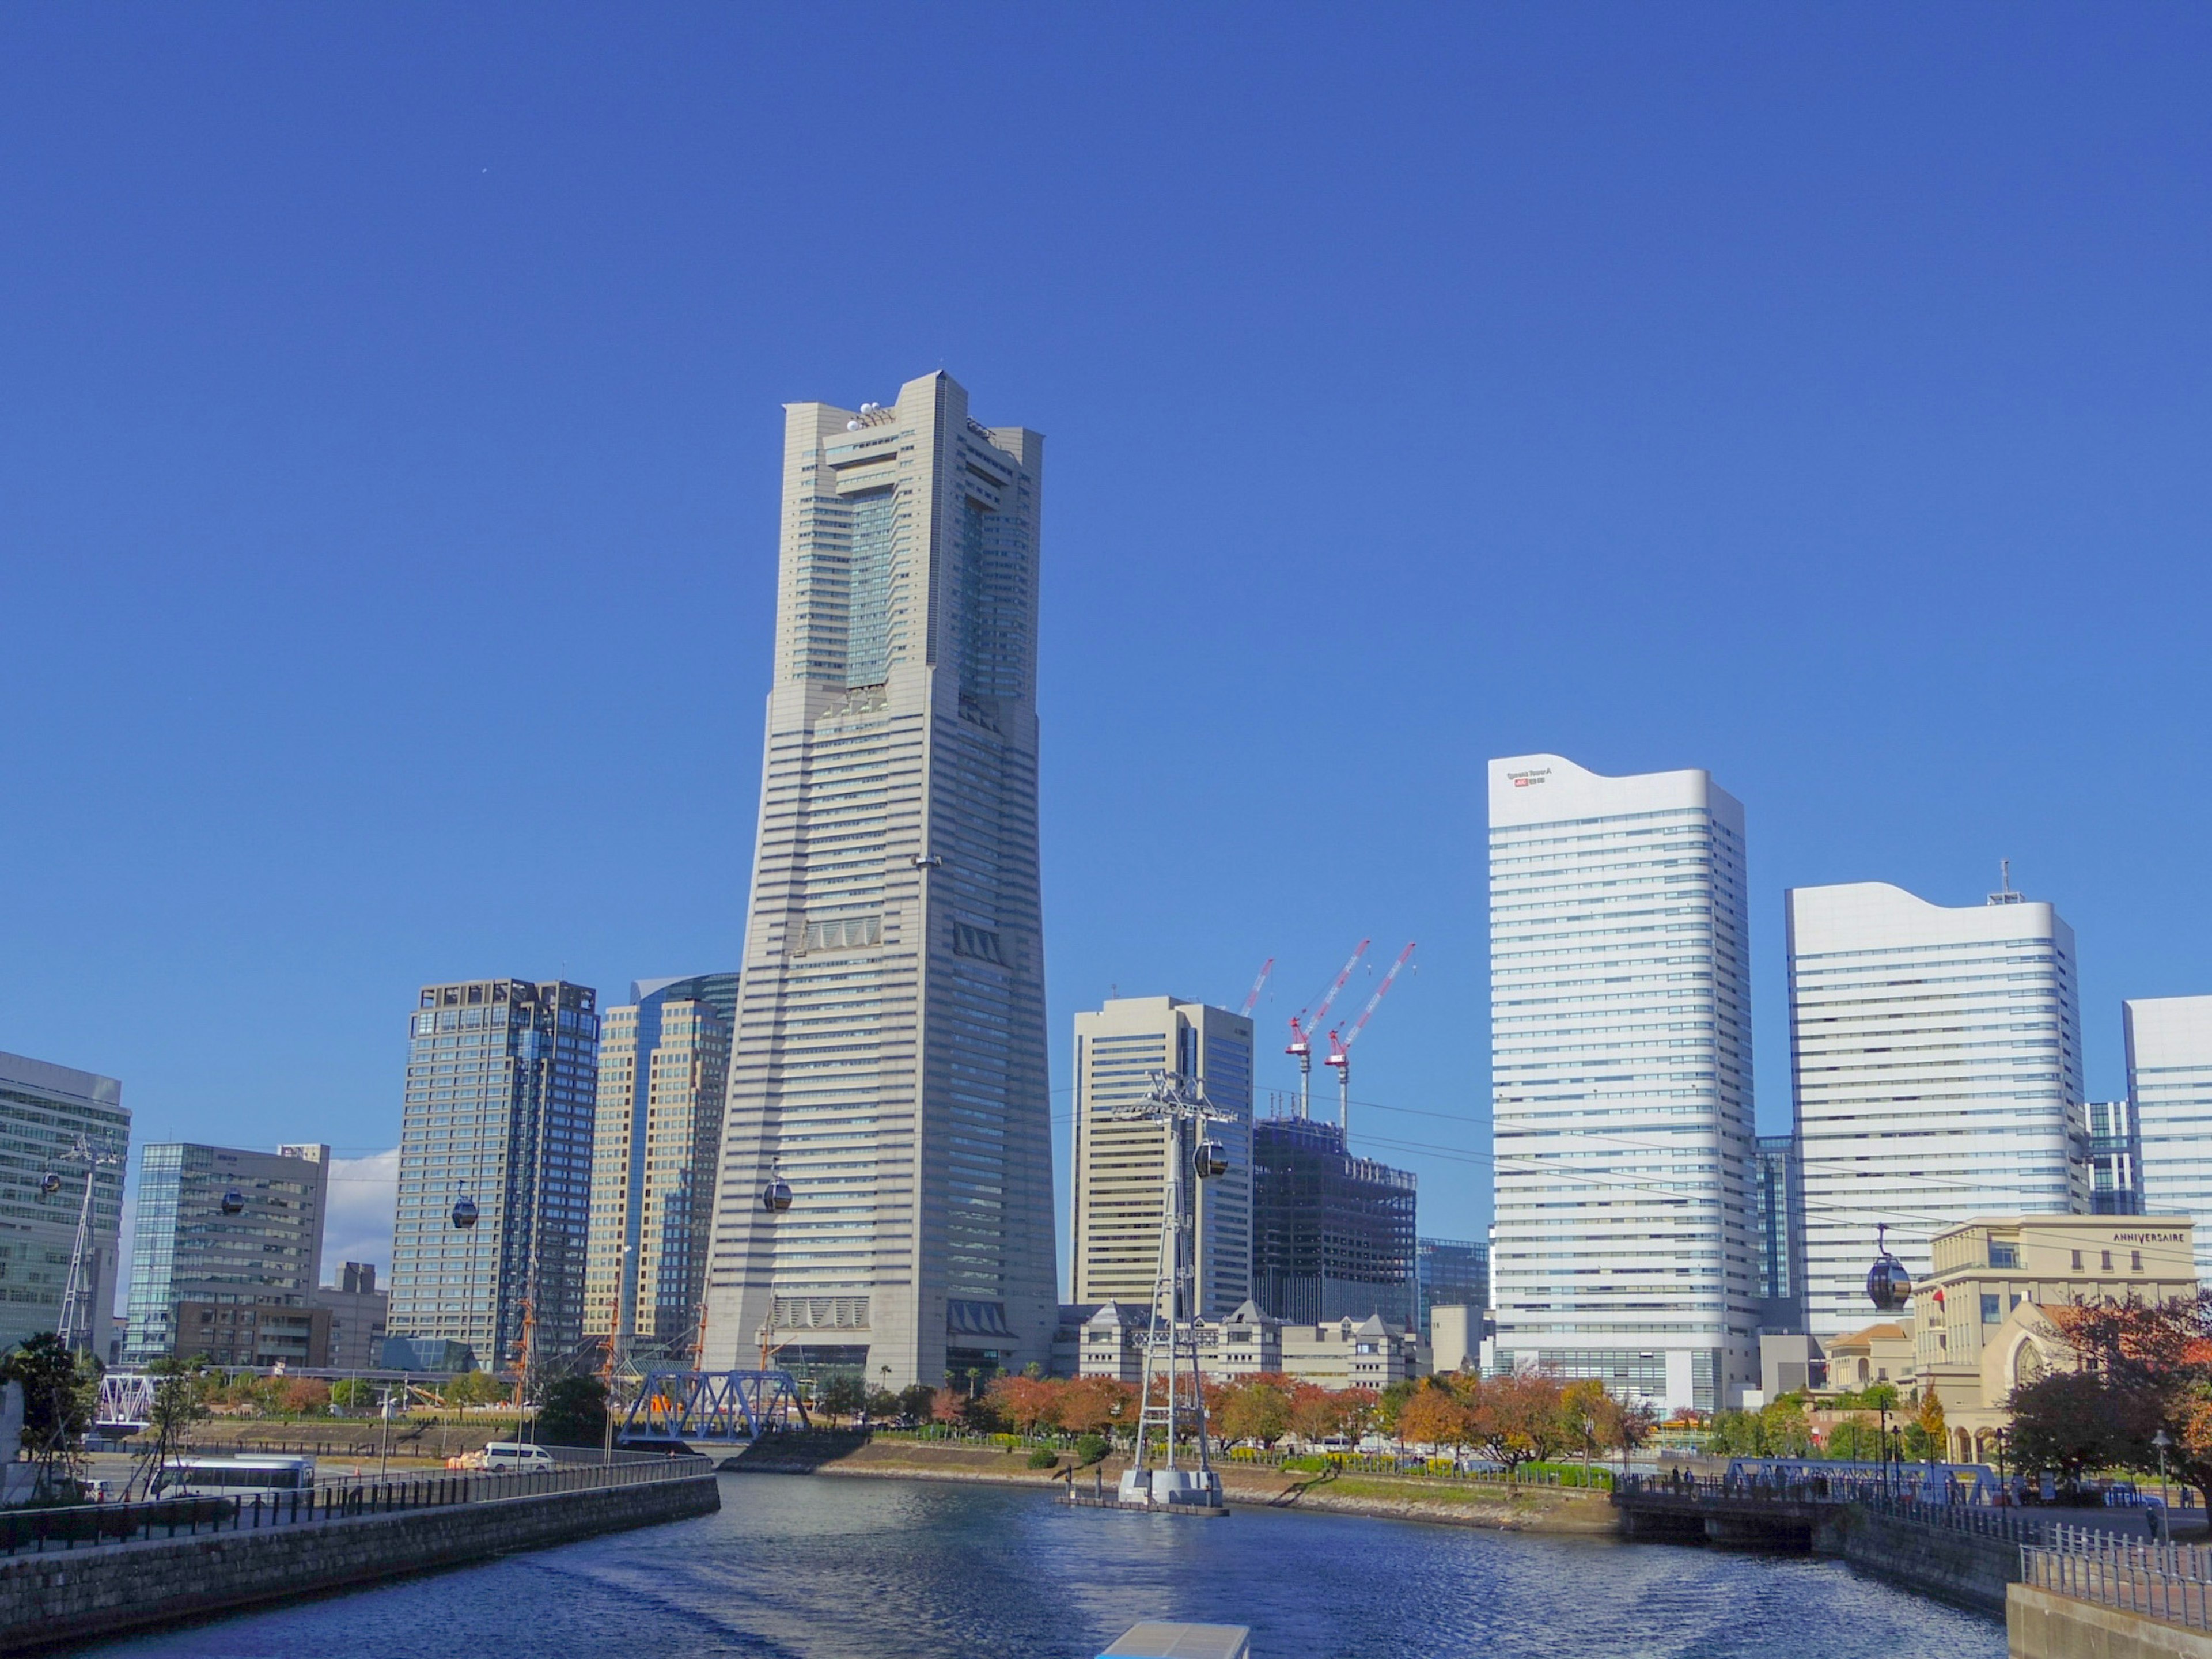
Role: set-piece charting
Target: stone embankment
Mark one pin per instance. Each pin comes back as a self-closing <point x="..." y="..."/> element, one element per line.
<point x="1467" y="1504"/>
<point x="65" y="1597"/>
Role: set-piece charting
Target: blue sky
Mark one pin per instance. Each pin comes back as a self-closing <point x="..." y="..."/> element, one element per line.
<point x="389" y="414"/>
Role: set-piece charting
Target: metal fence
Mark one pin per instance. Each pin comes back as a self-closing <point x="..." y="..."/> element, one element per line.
<point x="90" y="1525"/>
<point x="2170" y="1583"/>
<point x="1980" y="1520"/>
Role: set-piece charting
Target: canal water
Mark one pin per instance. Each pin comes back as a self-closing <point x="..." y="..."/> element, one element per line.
<point x="799" y="1567"/>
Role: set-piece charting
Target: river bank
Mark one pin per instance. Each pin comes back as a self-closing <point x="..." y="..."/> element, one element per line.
<point x="1496" y="1505"/>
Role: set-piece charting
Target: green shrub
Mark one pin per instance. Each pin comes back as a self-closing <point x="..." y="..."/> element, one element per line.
<point x="1089" y="1449"/>
<point x="1043" y="1457"/>
<point x="1305" y="1465"/>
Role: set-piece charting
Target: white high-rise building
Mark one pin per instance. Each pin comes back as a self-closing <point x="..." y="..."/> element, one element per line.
<point x="2170" y="1082"/>
<point x="889" y="1061"/>
<point x="1936" y="1059"/>
<point x="1121" y="1168"/>
<point x="1620" y="1064"/>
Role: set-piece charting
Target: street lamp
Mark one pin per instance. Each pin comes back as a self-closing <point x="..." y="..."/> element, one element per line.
<point x="1589" y="1445"/>
<point x="2163" y="1442"/>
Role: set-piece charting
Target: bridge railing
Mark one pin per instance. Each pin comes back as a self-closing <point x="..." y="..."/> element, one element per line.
<point x="2170" y="1582"/>
<point x="1982" y="1520"/>
<point x="86" y="1526"/>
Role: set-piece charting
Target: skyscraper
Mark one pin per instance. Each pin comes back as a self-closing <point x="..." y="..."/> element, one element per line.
<point x="1620" y="1061"/>
<point x="2115" y="1159"/>
<point x="2170" y="1085"/>
<point x="502" y="1081"/>
<point x="226" y="1254"/>
<point x="889" y="1054"/>
<point x="1778" y="1234"/>
<point x="664" y="1068"/>
<point x="1120" y="1164"/>
<point x="1333" y="1235"/>
<point x="1935" y="1055"/>
<point x="44" y="1110"/>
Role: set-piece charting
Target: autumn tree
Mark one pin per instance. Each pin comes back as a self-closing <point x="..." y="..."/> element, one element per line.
<point x="1436" y="1415"/>
<point x="1029" y="1403"/>
<point x="1256" y="1408"/>
<point x="1517" y="1418"/>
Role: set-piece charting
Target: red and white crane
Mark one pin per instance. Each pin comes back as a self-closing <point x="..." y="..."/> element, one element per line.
<point x="1339" y="1044"/>
<point x="1303" y="1028"/>
<point x="1252" y="999"/>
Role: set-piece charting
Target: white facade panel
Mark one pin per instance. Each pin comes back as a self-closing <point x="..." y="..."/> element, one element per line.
<point x="2169" y="1081"/>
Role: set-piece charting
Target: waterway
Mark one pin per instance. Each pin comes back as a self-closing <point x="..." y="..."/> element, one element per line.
<point x="799" y="1567"/>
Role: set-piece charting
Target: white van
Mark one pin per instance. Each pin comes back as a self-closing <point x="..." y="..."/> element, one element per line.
<point x="513" y="1455"/>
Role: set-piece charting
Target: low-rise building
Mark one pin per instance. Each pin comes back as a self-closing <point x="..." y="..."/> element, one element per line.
<point x="1342" y="1353"/>
<point x="251" y="1334"/>
<point x="358" y="1312"/>
<point x="1983" y="1317"/>
<point x="1881" y="1352"/>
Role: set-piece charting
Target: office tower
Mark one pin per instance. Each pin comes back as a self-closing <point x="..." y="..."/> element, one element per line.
<point x="226" y="1252"/>
<point x="2170" y="1086"/>
<point x="1451" y="1273"/>
<point x="889" y="1063"/>
<point x="358" y="1314"/>
<point x="663" y="1065"/>
<point x="1778" y="1234"/>
<point x="1333" y="1235"/>
<point x="1620" y="1062"/>
<point x="1935" y="1058"/>
<point x="501" y="1079"/>
<point x="2115" y="1159"/>
<point x="1121" y="1165"/>
<point x="45" y="1109"/>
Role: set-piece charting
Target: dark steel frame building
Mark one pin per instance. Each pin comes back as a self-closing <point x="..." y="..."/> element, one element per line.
<point x="1333" y="1235"/>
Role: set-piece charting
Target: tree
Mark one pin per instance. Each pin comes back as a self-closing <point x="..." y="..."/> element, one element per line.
<point x="468" y="1388"/>
<point x="1316" y="1413"/>
<point x="843" y="1395"/>
<point x="304" y="1396"/>
<point x="1096" y="1405"/>
<point x="949" y="1405"/>
<point x="573" y="1412"/>
<point x="60" y="1391"/>
<point x="915" y="1402"/>
<point x="1856" y="1439"/>
<point x="1029" y="1404"/>
<point x="354" y="1394"/>
<point x="1257" y="1408"/>
<point x="1517" y="1418"/>
<point x="179" y="1401"/>
<point x="1436" y="1416"/>
<point x="2073" y="1423"/>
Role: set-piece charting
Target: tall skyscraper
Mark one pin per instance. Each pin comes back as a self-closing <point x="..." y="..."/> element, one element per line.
<point x="226" y="1252"/>
<point x="1936" y="1059"/>
<point x="664" y="1068"/>
<point x="44" y="1110"/>
<point x="1620" y="1062"/>
<point x="1334" y="1236"/>
<point x="502" y="1076"/>
<point x="2115" y="1159"/>
<point x="1121" y="1168"/>
<point x="1778" y="1234"/>
<point x="890" y="1055"/>
<point x="2170" y="1085"/>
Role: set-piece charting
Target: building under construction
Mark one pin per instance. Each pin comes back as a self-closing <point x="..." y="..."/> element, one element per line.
<point x="1331" y="1235"/>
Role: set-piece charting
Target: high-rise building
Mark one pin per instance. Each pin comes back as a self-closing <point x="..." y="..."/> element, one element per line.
<point x="1451" y="1273"/>
<point x="1333" y="1236"/>
<point x="1620" y="1060"/>
<point x="889" y="1064"/>
<point x="2169" y="1042"/>
<point x="1121" y="1165"/>
<point x="664" y="1068"/>
<point x="226" y="1254"/>
<point x="45" y="1109"/>
<point x="1778" y="1234"/>
<point x="2115" y="1159"/>
<point x="1935" y="1055"/>
<point x="502" y="1076"/>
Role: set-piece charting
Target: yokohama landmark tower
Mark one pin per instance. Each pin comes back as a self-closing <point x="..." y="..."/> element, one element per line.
<point x="889" y="1059"/>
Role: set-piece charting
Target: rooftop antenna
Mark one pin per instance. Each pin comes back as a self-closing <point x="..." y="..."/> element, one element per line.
<point x="2004" y="895"/>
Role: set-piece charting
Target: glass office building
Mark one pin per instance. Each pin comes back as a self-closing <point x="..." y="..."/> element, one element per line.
<point x="2115" y="1159"/>
<point x="45" y="1109"/>
<point x="1778" y="1215"/>
<point x="1451" y="1273"/>
<point x="502" y="1080"/>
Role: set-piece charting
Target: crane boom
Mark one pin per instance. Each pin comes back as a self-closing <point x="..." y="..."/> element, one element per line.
<point x="1302" y="1027"/>
<point x="1340" y="1042"/>
<point x="1252" y="999"/>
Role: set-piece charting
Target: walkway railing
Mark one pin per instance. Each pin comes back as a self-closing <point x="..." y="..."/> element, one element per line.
<point x="89" y="1525"/>
<point x="1981" y="1520"/>
<point x="2170" y="1583"/>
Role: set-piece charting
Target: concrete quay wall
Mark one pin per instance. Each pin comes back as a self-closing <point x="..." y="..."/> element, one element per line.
<point x="2041" y="1626"/>
<point x="76" y="1596"/>
<point x="1955" y="1566"/>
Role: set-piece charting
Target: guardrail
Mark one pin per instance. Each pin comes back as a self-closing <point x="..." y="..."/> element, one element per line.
<point x="2170" y="1582"/>
<point x="90" y="1525"/>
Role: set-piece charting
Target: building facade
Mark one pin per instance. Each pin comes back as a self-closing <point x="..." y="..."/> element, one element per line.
<point x="1122" y="1166"/>
<point x="1778" y="1232"/>
<point x="1621" y="1072"/>
<point x="1451" y="1273"/>
<point x="226" y="1254"/>
<point x="358" y="1315"/>
<point x="2169" y="1044"/>
<point x="889" y="1064"/>
<point x="1935" y="1055"/>
<point x="502" y="1078"/>
<point x="2115" y="1157"/>
<point x="1333" y="1236"/>
<point x="45" y="1109"/>
<point x="1337" y="1354"/>
<point x="664" y="1068"/>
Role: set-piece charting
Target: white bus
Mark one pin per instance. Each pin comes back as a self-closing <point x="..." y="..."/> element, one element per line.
<point x="234" y="1476"/>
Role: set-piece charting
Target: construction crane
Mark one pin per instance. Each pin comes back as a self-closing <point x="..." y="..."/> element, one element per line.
<point x="1340" y="1045"/>
<point x="1303" y="1029"/>
<point x="1252" y="999"/>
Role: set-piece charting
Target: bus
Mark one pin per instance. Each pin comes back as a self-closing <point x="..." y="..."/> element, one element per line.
<point x="234" y="1476"/>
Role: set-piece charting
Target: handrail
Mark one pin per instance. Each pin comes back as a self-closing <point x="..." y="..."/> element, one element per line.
<point x="2170" y="1582"/>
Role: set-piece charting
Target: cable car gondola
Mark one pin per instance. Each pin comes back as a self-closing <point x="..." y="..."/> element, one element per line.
<point x="776" y="1197"/>
<point x="50" y="1183"/>
<point x="1210" y="1160"/>
<point x="1889" y="1287"/>
<point x="233" y="1202"/>
<point x="464" y="1212"/>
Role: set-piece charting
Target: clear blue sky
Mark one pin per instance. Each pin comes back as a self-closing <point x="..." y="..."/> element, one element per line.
<point x="389" y="423"/>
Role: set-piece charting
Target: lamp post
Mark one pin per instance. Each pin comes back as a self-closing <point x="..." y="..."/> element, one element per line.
<point x="2163" y="1442"/>
<point x="1589" y="1445"/>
